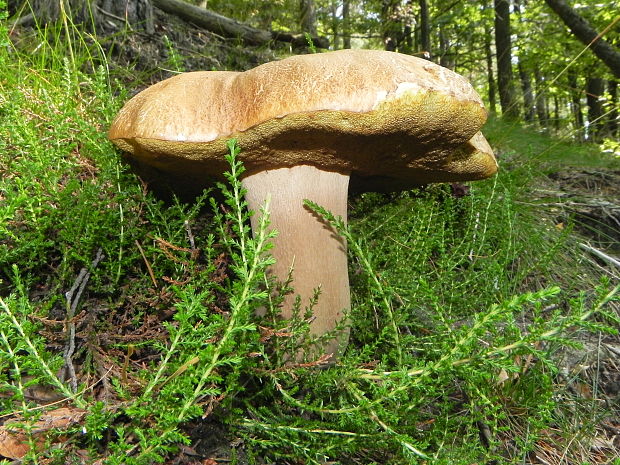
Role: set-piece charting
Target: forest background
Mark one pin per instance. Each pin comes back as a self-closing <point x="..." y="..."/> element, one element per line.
<point x="485" y="316"/>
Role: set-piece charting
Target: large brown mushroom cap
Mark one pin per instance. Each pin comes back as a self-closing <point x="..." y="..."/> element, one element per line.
<point x="375" y="114"/>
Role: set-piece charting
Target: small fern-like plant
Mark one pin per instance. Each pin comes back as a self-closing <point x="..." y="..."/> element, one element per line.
<point x="205" y="352"/>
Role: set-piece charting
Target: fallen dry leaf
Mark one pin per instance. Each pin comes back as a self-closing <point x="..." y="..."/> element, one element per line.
<point x="14" y="442"/>
<point x="13" y="446"/>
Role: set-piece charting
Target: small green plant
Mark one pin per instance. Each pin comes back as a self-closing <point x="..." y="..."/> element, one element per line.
<point x="311" y="44"/>
<point x="174" y="58"/>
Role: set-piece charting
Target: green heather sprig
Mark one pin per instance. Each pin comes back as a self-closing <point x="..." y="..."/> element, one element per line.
<point x="381" y="290"/>
<point x="26" y="339"/>
<point x="199" y="374"/>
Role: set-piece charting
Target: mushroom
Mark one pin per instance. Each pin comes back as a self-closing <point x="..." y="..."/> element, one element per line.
<point x="306" y="125"/>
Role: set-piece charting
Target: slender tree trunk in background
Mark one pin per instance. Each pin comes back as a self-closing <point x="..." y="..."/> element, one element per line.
<point x="504" y="59"/>
<point x="408" y="30"/>
<point x="346" y="24"/>
<point x="528" y="97"/>
<point x="576" y="109"/>
<point x="335" y="24"/>
<point x="612" y="117"/>
<point x="446" y="54"/>
<point x="595" y="87"/>
<point x="490" y="71"/>
<point x="425" y="30"/>
<point x="392" y="27"/>
<point x="556" y="113"/>
<point x="408" y="39"/>
<point x="541" y="103"/>
<point x="524" y="74"/>
<point x="586" y="34"/>
<point x="307" y="17"/>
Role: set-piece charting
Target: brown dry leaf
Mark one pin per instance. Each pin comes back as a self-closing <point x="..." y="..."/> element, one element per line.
<point x="14" y="442"/>
<point x="583" y="390"/>
<point x="13" y="445"/>
<point x="502" y="377"/>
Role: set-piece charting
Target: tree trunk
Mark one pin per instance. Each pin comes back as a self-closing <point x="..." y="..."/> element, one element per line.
<point x="556" y="114"/>
<point x="504" y="59"/>
<point x="231" y="28"/>
<point x="112" y="15"/>
<point x="587" y="35"/>
<point x="307" y="17"/>
<point x="346" y="24"/>
<point x="425" y="30"/>
<point x="541" y="103"/>
<point x="46" y="11"/>
<point x="335" y="24"/>
<point x="490" y="72"/>
<point x="392" y="25"/>
<point x="446" y="55"/>
<point x="576" y="109"/>
<point x="524" y="75"/>
<point x="528" y="97"/>
<point x="612" y="117"/>
<point x="595" y="87"/>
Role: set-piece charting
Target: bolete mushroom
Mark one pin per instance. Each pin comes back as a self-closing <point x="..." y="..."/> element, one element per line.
<point x="306" y="124"/>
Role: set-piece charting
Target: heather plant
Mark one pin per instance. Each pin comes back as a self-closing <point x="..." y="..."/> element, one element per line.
<point x="139" y="316"/>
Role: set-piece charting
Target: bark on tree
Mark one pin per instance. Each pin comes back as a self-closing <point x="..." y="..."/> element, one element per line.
<point x="524" y="75"/>
<point x="408" y="38"/>
<point x="408" y="29"/>
<point x="443" y="48"/>
<point x="526" y="88"/>
<point x="541" y="102"/>
<point x="105" y="15"/>
<point x="230" y="28"/>
<point x="111" y="15"/>
<point x="576" y="109"/>
<point x="612" y="117"/>
<point x="392" y="26"/>
<point x="587" y="34"/>
<point x="504" y="59"/>
<point x="595" y="87"/>
<point x="490" y="71"/>
<point x="425" y="30"/>
<point x="307" y="17"/>
<point x="346" y="24"/>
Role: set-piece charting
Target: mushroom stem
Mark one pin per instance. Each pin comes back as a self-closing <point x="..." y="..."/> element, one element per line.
<point x="306" y="243"/>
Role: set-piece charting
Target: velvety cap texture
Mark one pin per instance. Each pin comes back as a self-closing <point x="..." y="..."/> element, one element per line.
<point x="374" y="114"/>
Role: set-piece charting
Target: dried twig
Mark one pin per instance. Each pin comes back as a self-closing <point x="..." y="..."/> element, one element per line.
<point x="190" y="235"/>
<point x="608" y="258"/>
<point x="73" y="297"/>
<point x="148" y="265"/>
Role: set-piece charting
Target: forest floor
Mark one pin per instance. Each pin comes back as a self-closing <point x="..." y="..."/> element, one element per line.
<point x="589" y="199"/>
<point x="586" y="199"/>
